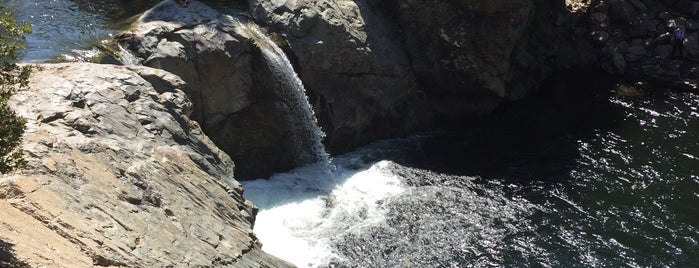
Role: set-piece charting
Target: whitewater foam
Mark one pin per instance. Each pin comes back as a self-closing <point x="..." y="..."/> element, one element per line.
<point x="302" y="210"/>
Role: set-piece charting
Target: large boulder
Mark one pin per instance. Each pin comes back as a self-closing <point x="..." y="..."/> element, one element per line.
<point x="231" y="89"/>
<point x="118" y="175"/>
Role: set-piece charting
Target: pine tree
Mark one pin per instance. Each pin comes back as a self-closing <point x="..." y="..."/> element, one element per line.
<point x="12" y="77"/>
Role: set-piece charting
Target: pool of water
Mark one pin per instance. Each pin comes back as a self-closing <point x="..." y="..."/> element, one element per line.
<point x="590" y="172"/>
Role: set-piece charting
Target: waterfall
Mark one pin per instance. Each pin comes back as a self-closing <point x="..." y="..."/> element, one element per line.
<point x="306" y="134"/>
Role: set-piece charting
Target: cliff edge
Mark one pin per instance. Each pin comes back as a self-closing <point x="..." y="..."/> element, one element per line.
<point x="118" y="175"/>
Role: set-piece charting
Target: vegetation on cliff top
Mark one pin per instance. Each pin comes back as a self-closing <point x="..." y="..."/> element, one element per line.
<point x="12" y="77"/>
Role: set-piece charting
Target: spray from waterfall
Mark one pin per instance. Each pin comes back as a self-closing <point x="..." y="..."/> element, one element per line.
<point x="306" y="134"/>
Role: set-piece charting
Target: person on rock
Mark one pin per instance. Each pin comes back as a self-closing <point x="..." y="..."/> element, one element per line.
<point x="183" y="2"/>
<point x="678" y="42"/>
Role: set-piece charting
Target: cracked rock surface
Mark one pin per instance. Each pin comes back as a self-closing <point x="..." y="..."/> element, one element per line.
<point x="118" y="175"/>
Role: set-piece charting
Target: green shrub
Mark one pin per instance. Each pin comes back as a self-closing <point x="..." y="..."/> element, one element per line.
<point x="12" y="77"/>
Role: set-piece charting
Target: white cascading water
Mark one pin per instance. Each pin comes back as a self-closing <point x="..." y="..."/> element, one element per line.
<point x="302" y="211"/>
<point x="306" y="135"/>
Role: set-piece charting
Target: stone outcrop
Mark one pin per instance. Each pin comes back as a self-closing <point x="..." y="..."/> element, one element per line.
<point x="231" y="89"/>
<point x="375" y="69"/>
<point x="118" y="175"/>
<point x="460" y="50"/>
<point x="372" y="69"/>
<point x="634" y="38"/>
<point x="350" y="57"/>
<point x="460" y="58"/>
<point x="359" y="94"/>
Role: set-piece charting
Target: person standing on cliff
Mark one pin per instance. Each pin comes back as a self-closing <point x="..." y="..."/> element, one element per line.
<point x="678" y="42"/>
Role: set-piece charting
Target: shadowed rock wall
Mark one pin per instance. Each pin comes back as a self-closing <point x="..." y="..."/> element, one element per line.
<point x="375" y="69"/>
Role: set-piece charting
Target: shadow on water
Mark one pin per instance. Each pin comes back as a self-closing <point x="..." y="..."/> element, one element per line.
<point x="532" y="139"/>
<point x="7" y="258"/>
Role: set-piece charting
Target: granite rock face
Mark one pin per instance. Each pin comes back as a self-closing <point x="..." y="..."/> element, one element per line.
<point x="372" y="69"/>
<point x="460" y="50"/>
<point x="426" y="61"/>
<point x="118" y="175"/>
<point x="349" y="56"/>
<point x="231" y="88"/>
<point x="638" y="39"/>
<point x="375" y="69"/>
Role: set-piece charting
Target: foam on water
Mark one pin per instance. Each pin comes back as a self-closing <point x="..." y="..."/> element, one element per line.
<point x="302" y="210"/>
<point x="589" y="180"/>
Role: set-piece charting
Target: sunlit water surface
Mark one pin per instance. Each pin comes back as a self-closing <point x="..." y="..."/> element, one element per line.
<point x="590" y="172"/>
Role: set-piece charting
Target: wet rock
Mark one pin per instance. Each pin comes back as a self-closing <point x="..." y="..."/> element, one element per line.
<point x="143" y="187"/>
<point x="351" y="60"/>
<point x="375" y="69"/>
<point x="236" y="106"/>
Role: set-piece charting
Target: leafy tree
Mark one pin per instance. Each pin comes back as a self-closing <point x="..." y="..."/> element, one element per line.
<point x="12" y="77"/>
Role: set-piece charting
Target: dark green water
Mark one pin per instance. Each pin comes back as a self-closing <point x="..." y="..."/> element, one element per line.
<point x="616" y="178"/>
<point x="590" y="172"/>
